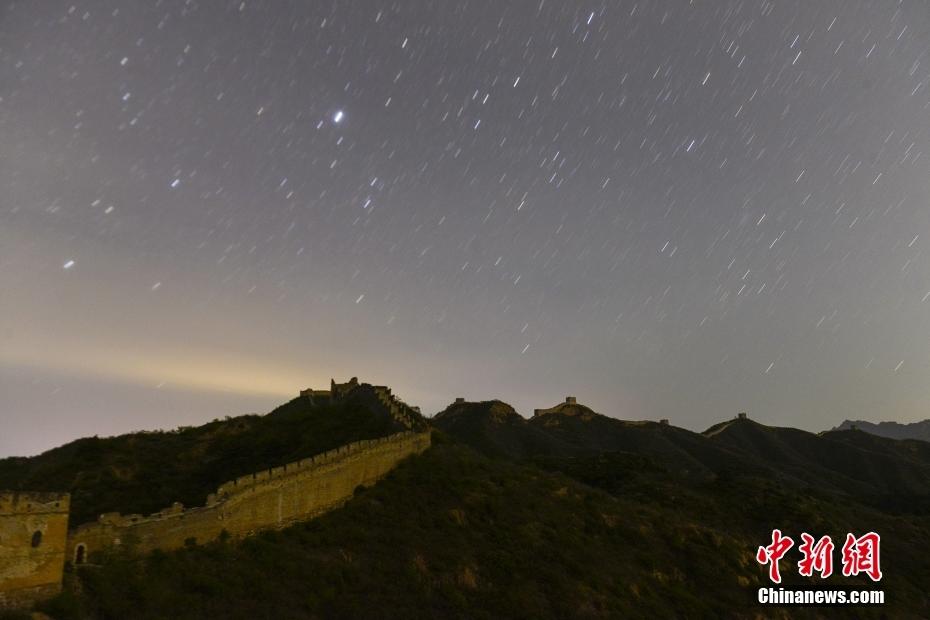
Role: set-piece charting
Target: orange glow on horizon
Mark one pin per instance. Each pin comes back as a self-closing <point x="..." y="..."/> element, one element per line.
<point x="218" y="371"/>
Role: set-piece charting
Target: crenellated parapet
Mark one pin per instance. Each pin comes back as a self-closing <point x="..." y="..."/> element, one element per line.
<point x="406" y="415"/>
<point x="401" y="412"/>
<point x="271" y="498"/>
<point x="34" y="537"/>
<point x="241" y="483"/>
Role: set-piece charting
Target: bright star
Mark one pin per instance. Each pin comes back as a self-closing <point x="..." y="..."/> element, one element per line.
<point x="338" y="116"/>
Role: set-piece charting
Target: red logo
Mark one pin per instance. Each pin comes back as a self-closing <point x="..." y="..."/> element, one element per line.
<point x="774" y="552"/>
<point x="860" y="555"/>
<point x="817" y="557"/>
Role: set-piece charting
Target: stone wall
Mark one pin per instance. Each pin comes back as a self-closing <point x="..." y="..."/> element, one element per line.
<point x="401" y="412"/>
<point x="33" y="535"/>
<point x="380" y="395"/>
<point x="269" y="499"/>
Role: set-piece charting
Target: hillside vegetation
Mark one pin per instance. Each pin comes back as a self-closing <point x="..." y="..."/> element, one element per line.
<point x="145" y="472"/>
<point x="568" y="515"/>
<point x="453" y="534"/>
<point x="872" y="469"/>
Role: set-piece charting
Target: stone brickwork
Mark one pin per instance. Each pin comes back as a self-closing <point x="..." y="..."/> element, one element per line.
<point x="33" y="536"/>
<point x="401" y="412"/>
<point x="406" y="415"/>
<point x="269" y="499"/>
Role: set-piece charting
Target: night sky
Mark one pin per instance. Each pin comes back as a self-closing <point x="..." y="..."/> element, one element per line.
<point x="667" y="209"/>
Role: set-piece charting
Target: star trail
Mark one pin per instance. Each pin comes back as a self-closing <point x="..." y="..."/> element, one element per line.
<point x="670" y="209"/>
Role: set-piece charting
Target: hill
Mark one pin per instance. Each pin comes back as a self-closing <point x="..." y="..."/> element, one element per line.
<point x="570" y="514"/>
<point x="867" y="467"/>
<point x="574" y="431"/>
<point x="496" y="429"/>
<point x="455" y="534"/>
<point x="891" y="430"/>
<point x="147" y="471"/>
<point x="873" y="469"/>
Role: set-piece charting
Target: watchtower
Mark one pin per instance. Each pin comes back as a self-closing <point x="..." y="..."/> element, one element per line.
<point x="33" y="538"/>
<point x="341" y="390"/>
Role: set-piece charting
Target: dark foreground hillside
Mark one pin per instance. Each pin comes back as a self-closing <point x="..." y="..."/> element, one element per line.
<point x="453" y="534"/>
<point x="145" y="472"/>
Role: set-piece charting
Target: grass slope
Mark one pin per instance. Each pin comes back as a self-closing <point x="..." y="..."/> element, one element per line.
<point x="454" y="534"/>
<point x="145" y="472"/>
<point x="494" y="428"/>
<point x="889" y="474"/>
<point x="854" y="462"/>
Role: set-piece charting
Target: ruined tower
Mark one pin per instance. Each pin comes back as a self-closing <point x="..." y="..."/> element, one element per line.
<point x="33" y="537"/>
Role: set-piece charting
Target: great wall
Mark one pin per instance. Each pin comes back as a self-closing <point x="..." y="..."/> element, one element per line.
<point x="33" y="538"/>
<point x="35" y="541"/>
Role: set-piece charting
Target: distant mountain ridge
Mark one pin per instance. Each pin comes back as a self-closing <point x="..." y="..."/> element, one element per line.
<point x="891" y="430"/>
<point x="877" y="470"/>
<point x="568" y="514"/>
